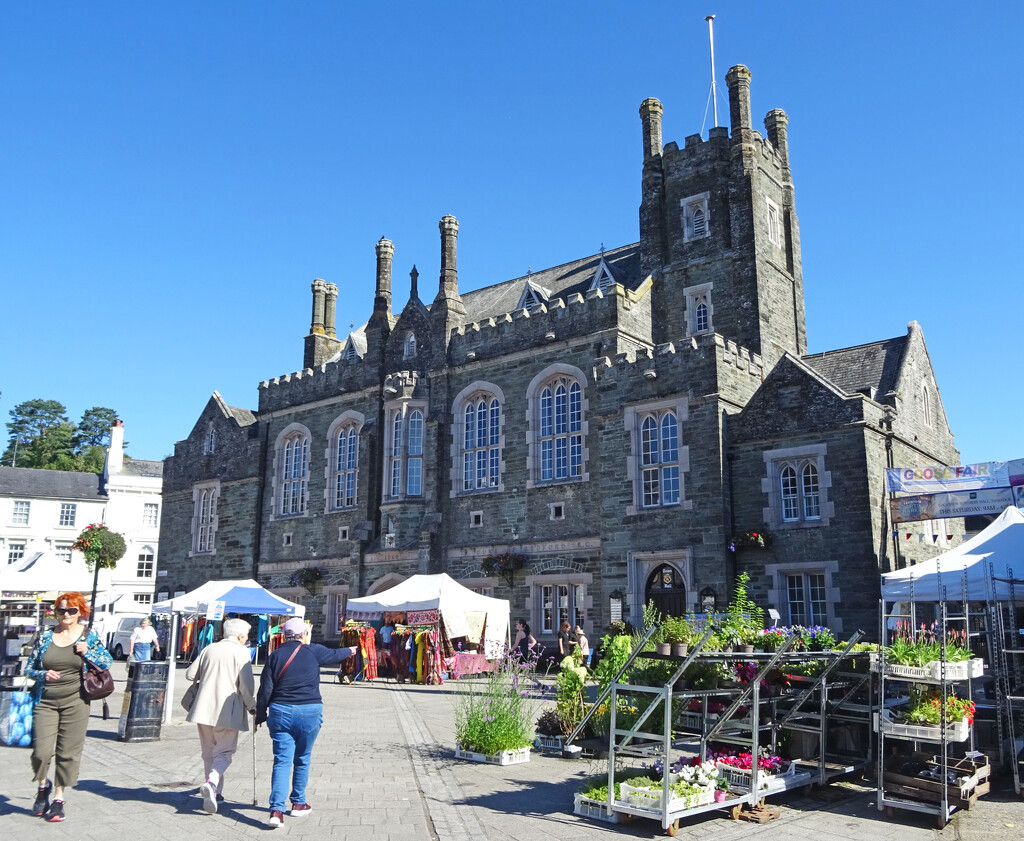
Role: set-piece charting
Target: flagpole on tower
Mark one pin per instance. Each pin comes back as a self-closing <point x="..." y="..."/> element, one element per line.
<point x="714" y="90"/>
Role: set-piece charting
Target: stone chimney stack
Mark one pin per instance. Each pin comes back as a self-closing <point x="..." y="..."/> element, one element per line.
<point x="449" y="283"/>
<point x="738" y="79"/>
<point x="414" y="277"/>
<point x="650" y="116"/>
<point x="447" y="313"/>
<point x="115" y="452"/>
<point x="776" y="125"/>
<point x="331" y="305"/>
<point x="321" y="344"/>
<point x="652" y="191"/>
<point x="385" y="256"/>
<point x="316" y="327"/>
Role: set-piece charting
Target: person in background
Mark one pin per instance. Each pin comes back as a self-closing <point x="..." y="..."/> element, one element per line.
<point x="566" y="640"/>
<point x="61" y="712"/>
<point x="144" y="641"/>
<point x="386" y="630"/>
<point x="524" y="641"/>
<point x="289" y="701"/>
<point x="225" y="699"/>
<point x="583" y="643"/>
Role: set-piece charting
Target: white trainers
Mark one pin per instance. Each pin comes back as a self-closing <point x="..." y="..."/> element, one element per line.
<point x="276" y="819"/>
<point x="209" y="792"/>
<point x="300" y="810"/>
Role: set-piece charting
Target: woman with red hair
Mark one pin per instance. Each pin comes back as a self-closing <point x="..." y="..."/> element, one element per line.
<point x="61" y="712"/>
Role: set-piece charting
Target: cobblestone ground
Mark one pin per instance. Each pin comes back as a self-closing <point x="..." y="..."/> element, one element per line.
<point x="383" y="769"/>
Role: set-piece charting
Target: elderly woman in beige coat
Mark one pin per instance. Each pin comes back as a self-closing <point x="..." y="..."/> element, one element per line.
<point x="224" y="700"/>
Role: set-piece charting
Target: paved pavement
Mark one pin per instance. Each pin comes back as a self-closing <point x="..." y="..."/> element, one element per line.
<point x="383" y="770"/>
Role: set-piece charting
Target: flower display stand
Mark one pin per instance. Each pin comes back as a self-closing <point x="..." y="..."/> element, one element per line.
<point x="739" y="778"/>
<point x="961" y="670"/>
<point x="504" y="757"/>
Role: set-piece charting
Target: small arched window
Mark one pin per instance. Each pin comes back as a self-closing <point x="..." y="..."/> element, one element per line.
<point x="410" y="346"/>
<point x="700" y="225"/>
<point x="800" y="492"/>
<point x="210" y="441"/>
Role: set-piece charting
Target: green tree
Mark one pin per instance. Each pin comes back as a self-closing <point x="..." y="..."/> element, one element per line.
<point x="42" y="437"/>
<point x="94" y="428"/>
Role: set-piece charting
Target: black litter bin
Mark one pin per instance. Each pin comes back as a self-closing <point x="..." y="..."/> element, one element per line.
<point x="143" y="707"/>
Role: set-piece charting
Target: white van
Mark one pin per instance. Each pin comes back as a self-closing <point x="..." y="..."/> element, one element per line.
<point x="119" y="642"/>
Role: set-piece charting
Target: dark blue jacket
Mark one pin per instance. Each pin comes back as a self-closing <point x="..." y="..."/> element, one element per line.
<point x="301" y="682"/>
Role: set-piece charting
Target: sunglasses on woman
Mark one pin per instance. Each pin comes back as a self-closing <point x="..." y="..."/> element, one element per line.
<point x="67" y="611"/>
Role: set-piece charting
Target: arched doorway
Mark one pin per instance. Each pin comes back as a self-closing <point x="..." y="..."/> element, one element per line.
<point x="666" y="589"/>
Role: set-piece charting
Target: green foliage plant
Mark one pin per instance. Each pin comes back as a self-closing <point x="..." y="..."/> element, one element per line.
<point x="569" y="691"/>
<point x="496" y="714"/>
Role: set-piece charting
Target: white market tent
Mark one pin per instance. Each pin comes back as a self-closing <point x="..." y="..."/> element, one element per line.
<point x="44" y="572"/>
<point x="460" y="608"/>
<point x="996" y="552"/>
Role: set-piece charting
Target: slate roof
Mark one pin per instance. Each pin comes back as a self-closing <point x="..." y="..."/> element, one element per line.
<point x="559" y="281"/>
<point x="875" y="365"/>
<point x="50" y="484"/>
<point x="142" y="467"/>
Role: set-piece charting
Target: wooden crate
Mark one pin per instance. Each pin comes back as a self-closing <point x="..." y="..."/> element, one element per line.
<point x="974" y="782"/>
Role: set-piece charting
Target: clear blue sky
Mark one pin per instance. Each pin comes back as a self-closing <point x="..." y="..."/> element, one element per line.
<point x="173" y="176"/>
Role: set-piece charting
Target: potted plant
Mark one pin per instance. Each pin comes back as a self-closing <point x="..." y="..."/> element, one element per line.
<point x="550" y="730"/>
<point x="677" y="634"/>
<point x="100" y="546"/>
<point x="721" y="788"/>
<point x="493" y="718"/>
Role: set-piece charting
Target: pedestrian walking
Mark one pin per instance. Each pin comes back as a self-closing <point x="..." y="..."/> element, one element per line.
<point x="61" y="710"/>
<point x="289" y="701"/>
<point x="144" y="641"/>
<point x="224" y="700"/>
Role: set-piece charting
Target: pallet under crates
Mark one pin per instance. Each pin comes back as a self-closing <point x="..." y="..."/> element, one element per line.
<point x="972" y="782"/>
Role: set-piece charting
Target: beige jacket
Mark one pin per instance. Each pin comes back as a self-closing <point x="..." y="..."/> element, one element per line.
<point x="227" y="689"/>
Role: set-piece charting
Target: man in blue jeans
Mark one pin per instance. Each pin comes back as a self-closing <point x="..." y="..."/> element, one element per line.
<point x="289" y="701"/>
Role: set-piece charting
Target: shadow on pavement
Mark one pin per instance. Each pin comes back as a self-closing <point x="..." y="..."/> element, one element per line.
<point x="183" y="800"/>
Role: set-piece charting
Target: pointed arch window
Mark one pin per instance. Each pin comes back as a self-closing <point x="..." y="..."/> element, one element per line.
<point x="561" y="430"/>
<point x="210" y="441"/>
<point x="481" y="443"/>
<point x="344" y="481"/>
<point x="294" y="475"/>
<point x="204" y="517"/>
<point x="405" y="452"/>
<point x="659" y="459"/>
<point x="410" y="346"/>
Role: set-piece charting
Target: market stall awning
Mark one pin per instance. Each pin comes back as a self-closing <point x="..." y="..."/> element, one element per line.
<point x="994" y="553"/>
<point x="42" y="572"/>
<point x="242" y="595"/>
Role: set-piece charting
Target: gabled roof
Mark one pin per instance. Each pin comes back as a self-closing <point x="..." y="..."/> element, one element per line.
<point x="354" y="346"/>
<point x="50" y="484"/>
<point x="560" y="282"/>
<point x="244" y="417"/>
<point x="143" y="467"/>
<point x="872" y="366"/>
<point x="533" y="295"/>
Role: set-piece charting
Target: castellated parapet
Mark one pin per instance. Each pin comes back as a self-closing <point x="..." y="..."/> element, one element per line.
<point x="705" y="365"/>
<point x="311" y="384"/>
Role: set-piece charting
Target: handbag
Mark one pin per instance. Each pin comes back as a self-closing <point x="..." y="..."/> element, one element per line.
<point x="189" y="698"/>
<point x="97" y="683"/>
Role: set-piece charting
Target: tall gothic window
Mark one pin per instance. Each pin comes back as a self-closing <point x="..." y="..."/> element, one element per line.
<point x="204" y="517"/>
<point x="481" y="436"/>
<point x="659" y="459"/>
<point x="406" y="453"/>
<point x="346" y="465"/>
<point x="294" y="474"/>
<point x="561" y="430"/>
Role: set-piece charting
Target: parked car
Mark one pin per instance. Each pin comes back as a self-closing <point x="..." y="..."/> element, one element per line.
<point x="119" y="642"/>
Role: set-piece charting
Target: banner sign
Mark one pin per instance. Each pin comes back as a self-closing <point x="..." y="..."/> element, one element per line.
<point x="939" y="478"/>
<point x="215" y="611"/>
<point x="421" y="617"/>
<point x="911" y="509"/>
<point x="1018" y="496"/>
<point x="1015" y="467"/>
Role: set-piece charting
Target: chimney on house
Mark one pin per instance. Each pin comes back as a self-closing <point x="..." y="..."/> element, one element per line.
<point x="115" y="452"/>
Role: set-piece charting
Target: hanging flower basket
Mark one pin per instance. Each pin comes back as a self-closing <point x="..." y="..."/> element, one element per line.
<point x="309" y="577"/>
<point x="504" y="565"/>
<point x="100" y="546"/>
<point x="751" y="540"/>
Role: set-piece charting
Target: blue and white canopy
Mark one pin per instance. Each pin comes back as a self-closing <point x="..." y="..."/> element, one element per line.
<point x="242" y="595"/>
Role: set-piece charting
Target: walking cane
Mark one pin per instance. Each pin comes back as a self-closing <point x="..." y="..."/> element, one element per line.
<point x="254" y="802"/>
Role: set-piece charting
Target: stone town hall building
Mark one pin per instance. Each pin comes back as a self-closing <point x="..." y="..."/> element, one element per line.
<point x="617" y="422"/>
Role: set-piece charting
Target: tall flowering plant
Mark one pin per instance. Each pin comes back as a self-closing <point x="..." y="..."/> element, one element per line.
<point x="100" y="546"/>
<point x="496" y="714"/>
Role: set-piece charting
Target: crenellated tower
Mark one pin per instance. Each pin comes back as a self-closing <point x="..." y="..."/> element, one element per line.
<point x="719" y="232"/>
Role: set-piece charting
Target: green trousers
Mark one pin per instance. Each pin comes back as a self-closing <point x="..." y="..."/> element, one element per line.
<point x="58" y="729"/>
